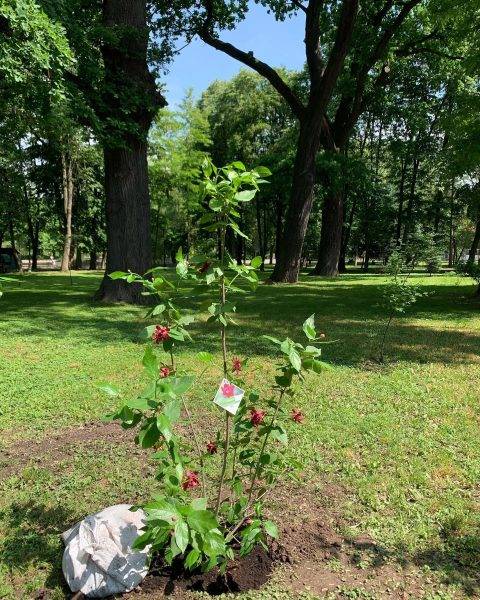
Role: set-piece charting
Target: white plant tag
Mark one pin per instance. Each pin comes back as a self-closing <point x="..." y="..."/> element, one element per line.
<point x="228" y="396"/>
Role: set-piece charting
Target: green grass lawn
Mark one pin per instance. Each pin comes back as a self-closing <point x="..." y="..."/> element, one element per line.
<point x="402" y="439"/>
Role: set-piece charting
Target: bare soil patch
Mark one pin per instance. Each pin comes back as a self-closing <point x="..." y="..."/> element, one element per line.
<point x="312" y="553"/>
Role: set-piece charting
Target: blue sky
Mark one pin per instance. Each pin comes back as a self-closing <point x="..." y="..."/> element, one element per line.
<point x="279" y="44"/>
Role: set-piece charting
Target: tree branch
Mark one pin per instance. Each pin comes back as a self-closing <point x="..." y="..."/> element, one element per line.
<point x="320" y="96"/>
<point x="299" y="5"/>
<point x="312" y="42"/>
<point x="378" y="51"/>
<point x="248" y="59"/>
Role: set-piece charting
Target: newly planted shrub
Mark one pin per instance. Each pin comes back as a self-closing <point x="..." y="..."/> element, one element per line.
<point x="398" y="294"/>
<point x="201" y="518"/>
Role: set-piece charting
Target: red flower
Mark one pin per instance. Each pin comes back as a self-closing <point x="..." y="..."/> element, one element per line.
<point x="228" y="390"/>
<point x="160" y="334"/>
<point x="256" y="416"/>
<point x="164" y="372"/>
<point x="212" y="448"/>
<point x="297" y="416"/>
<point x="191" y="480"/>
<point x="236" y="365"/>
<point x="204" y="267"/>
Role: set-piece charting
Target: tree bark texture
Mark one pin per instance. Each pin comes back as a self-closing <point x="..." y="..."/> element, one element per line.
<point x="130" y="103"/>
<point x="67" y="188"/>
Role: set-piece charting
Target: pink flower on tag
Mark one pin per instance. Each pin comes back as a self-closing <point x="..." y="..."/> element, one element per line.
<point x="228" y="390"/>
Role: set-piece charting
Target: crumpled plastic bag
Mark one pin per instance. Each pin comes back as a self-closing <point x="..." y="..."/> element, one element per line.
<point x="98" y="559"/>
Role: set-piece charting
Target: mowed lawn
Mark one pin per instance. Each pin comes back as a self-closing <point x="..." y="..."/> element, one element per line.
<point x="401" y="439"/>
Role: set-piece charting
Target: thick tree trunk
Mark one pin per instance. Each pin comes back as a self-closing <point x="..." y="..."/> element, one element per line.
<point x="129" y="90"/>
<point x="92" y="263"/>
<point x="331" y="235"/>
<point x="301" y="198"/>
<point x="67" y="186"/>
<point x="475" y="242"/>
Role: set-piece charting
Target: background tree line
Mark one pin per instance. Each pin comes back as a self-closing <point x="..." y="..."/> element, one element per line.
<point x="373" y="145"/>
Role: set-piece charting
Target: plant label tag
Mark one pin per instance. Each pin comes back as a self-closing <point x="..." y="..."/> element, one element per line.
<point x="228" y="396"/>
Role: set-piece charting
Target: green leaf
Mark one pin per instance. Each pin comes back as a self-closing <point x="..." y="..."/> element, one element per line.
<point x="182" y="384"/>
<point x="272" y="339"/>
<point x="118" y="275"/>
<point x="181" y="535"/>
<point x="199" y="504"/>
<point x="263" y="171"/>
<point x="164" y="426"/>
<point x="158" y="310"/>
<point x="150" y="362"/>
<point x="179" y="255"/>
<point x="109" y="389"/>
<point x="202" y="520"/>
<point x="237" y="230"/>
<point x="172" y="410"/>
<point x="295" y="359"/>
<point x="192" y="559"/>
<point x="176" y="334"/>
<point x="245" y="195"/>
<point x="138" y="404"/>
<point x="256" y="262"/>
<point x="149" y="436"/>
<point x="309" y="327"/>
<point x="271" y="529"/>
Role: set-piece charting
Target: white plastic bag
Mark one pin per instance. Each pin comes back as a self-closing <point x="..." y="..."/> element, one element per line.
<point x="98" y="559"/>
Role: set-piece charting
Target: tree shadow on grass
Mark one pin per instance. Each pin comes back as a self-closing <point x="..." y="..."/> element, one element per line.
<point x="349" y="313"/>
<point x="33" y="539"/>
<point x="456" y="559"/>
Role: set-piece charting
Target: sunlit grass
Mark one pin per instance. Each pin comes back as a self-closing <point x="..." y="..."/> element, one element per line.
<point x="403" y="437"/>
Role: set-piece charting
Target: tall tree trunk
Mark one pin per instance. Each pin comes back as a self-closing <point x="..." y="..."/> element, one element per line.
<point x="347" y="230"/>
<point x="331" y="235"/>
<point x="451" y="246"/>
<point x="278" y="227"/>
<point x="401" y="198"/>
<point x="411" y="201"/>
<point x="67" y="187"/>
<point x="92" y="263"/>
<point x="301" y="198"/>
<point x="475" y="242"/>
<point x="129" y="90"/>
<point x="11" y="230"/>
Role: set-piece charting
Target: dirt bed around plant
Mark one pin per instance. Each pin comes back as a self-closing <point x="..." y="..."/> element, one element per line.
<point x="312" y="555"/>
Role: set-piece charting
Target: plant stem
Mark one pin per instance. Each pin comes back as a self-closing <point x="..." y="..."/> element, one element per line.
<point x="384" y="337"/>
<point x="225" y="371"/>
<point x="264" y="445"/>
<point x="192" y="429"/>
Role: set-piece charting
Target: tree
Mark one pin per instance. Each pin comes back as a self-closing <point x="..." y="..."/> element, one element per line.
<point x="130" y="102"/>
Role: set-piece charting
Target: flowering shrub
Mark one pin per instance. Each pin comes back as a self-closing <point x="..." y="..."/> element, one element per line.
<point x="228" y="516"/>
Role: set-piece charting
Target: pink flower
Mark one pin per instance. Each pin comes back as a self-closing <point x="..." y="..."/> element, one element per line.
<point x="191" y="480"/>
<point x="236" y="365"/>
<point x="297" y="416"/>
<point x="212" y="448"/>
<point x="160" y="334"/>
<point x="256" y="416"/>
<point x="164" y="372"/>
<point x="228" y="390"/>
